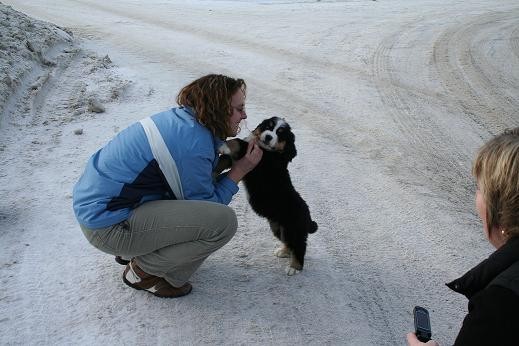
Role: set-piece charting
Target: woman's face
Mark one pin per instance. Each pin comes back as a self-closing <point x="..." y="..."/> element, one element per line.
<point x="494" y="235"/>
<point x="238" y="112"/>
<point x="481" y="209"/>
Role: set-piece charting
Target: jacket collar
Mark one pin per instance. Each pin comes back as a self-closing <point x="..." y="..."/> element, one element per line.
<point x="217" y="142"/>
<point x="481" y="275"/>
<point x="188" y="110"/>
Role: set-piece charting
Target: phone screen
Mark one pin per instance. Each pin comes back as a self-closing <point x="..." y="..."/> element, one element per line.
<point x="422" y="320"/>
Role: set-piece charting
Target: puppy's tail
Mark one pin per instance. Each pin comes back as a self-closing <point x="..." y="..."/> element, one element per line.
<point x="313" y="227"/>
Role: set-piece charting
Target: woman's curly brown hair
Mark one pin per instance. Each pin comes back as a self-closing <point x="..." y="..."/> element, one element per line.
<point x="210" y="98"/>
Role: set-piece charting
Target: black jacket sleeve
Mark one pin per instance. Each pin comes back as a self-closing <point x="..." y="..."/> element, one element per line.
<point x="492" y="319"/>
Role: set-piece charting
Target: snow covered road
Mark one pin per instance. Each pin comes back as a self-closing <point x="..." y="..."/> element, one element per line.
<point x="389" y="101"/>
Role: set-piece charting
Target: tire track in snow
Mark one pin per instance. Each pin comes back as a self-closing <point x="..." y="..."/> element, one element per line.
<point x="257" y="48"/>
<point x="465" y="76"/>
<point x="514" y="42"/>
<point x="470" y="78"/>
<point x="434" y="154"/>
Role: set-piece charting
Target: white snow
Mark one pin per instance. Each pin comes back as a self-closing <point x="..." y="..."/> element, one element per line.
<point x="389" y="101"/>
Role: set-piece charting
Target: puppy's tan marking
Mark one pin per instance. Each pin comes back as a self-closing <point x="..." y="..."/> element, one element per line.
<point x="283" y="252"/>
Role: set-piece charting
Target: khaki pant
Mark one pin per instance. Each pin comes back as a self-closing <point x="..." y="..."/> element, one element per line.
<point x="169" y="239"/>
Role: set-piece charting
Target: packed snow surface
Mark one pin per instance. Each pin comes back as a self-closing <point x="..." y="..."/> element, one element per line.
<point x="389" y="101"/>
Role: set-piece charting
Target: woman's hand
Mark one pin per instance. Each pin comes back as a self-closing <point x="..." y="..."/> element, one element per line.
<point x="412" y="340"/>
<point x="247" y="163"/>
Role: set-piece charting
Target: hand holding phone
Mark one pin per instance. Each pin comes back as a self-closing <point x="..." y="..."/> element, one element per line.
<point x="422" y="324"/>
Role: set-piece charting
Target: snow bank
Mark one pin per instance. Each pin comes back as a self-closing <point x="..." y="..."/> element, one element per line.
<point x="27" y="51"/>
<point x="34" y="56"/>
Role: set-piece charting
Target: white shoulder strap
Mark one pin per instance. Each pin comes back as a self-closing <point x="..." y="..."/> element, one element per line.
<point x="163" y="156"/>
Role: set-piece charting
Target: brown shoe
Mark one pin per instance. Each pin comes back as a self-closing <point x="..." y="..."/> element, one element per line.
<point x="137" y="278"/>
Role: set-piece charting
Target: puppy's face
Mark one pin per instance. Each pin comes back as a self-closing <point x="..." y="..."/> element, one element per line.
<point x="275" y="134"/>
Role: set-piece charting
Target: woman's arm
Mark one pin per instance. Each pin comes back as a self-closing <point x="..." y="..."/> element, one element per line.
<point x="492" y="318"/>
<point x="247" y="163"/>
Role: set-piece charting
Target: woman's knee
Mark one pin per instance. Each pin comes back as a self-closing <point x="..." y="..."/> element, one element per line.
<point x="227" y="222"/>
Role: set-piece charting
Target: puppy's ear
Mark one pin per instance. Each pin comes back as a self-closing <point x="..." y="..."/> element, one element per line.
<point x="235" y="148"/>
<point x="242" y="149"/>
<point x="290" y="147"/>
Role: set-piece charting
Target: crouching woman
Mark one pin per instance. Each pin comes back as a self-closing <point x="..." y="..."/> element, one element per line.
<point x="149" y="195"/>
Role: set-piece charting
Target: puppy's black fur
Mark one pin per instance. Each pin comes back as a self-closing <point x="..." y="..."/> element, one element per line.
<point x="270" y="190"/>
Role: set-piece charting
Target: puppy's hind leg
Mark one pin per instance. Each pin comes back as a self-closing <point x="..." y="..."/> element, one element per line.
<point x="295" y="265"/>
<point x="297" y="249"/>
<point x="283" y="252"/>
<point x="277" y="230"/>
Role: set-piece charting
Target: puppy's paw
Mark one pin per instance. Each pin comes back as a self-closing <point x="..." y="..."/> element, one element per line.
<point x="282" y="252"/>
<point x="224" y="149"/>
<point x="251" y="137"/>
<point x="291" y="271"/>
<point x="294" y="267"/>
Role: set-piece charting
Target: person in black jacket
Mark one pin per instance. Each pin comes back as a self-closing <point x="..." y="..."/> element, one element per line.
<point x="492" y="287"/>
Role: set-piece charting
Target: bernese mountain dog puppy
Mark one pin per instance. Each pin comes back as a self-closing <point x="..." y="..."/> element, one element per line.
<point x="270" y="190"/>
